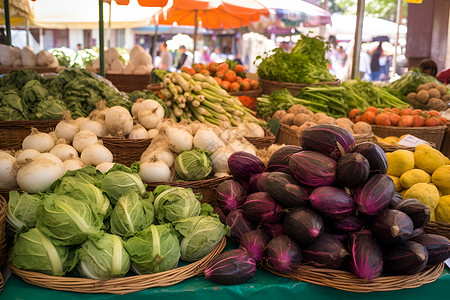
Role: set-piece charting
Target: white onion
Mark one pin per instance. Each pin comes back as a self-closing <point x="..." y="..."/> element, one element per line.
<point x="249" y="148"/>
<point x="96" y="126"/>
<point x="38" y="175"/>
<point x="138" y="132"/>
<point x="155" y="171"/>
<point x="179" y="139"/>
<point x="50" y="156"/>
<point x="152" y="133"/>
<point x="26" y="154"/>
<point x="104" y="167"/>
<point x="64" y="151"/>
<point x="164" y="155"/>
<point x="235" y="146"/>
<point x="8" y="171"/>
<point x="254" y="130"/>
<point x="73" y="164"/>
<point x="83" y="139"/>
<point x="154" y="106"/>
<point x="118" y="119"/>
<point x="232" y="133"/>
<point x="207" y="140"/>
<point x="96" y="154"/>
<point x="67" y="129"/>
<point x="39" y="141"/>
<point x="149" y="118"/>
<point x="219" y="160"/>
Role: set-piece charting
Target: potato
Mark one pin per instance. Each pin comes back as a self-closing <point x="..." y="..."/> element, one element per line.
<point x="432" y="101"/>
<point x="423" y="87"/>
<point x="348" y="128"/>
<point x="319" y="116"/>
<point x="438" y="106"/>
<point x="279" y="114"/>
<point x="297" y="109"/>
<point x="310" y="113"/>
<point x="434" y="93"/>
<point x="445" y="97"/>
<point x="301" y="118"/>
<point x="411" y="96"/>
<point x="327" y="120"/>
<point x="422" y="96"/>
<point x="442" y="89"/>
<point x="306" y="125"/>
<point x="287" y="119"/>
<point x="362" y="127"/>
<point x="344" y="121"/>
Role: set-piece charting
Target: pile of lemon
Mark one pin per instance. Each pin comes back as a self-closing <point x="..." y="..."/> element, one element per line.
<point x="424" y="175"/>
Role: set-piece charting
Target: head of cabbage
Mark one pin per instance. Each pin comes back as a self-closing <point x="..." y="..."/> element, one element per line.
<point x="201" y="234"/>
<point x="131" y="214"/>
<point x="193" y="165"/>
<point x="35" y="251"/>
<point x="120" y="179"/>
<point x="154" y="249"/>
<point x="103" y="258"/>
<point x="66" y="220"/>
<point x="22" y="209"/>
<point x="87" y="174"/>
<point x="175" y="203"/>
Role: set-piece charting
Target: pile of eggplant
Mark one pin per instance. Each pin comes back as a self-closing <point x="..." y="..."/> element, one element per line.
<point x="328" y="204"/>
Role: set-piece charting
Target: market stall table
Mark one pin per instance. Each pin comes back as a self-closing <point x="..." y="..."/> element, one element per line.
<point x="263" y="286"/>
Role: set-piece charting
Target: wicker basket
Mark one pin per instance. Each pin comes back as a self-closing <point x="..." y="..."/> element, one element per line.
<point x="129" y="82"/>
<point x="251" y="93"/>
<point x="263" y="142"/>
<point x="119" y="286"/>
<point x="445" y="146"/>
<point x="206" y="187"/>
<point x="3" y="254"/>
<point x="269" y="86"/>
<point x="433" y="134"/>
<point x="436" y="227"/>
<point x="126" y="151"/>
<point x="12" y="133"/>
<point x="392" y="148"/>
<point x="2" y="283"/>
<point x="346" y="281"/>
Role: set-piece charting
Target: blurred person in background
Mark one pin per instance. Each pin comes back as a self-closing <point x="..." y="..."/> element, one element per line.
<point x="217" y="56"/>
<point x="166" y="57"/>
<point x="185" y="59"/>
<point x="428" y="66"/>
<point x="375" y="62"/>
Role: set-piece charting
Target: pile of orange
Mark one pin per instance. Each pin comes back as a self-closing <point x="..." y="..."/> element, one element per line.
<point x="231" y="80"/>
<point x="394" y="117"/>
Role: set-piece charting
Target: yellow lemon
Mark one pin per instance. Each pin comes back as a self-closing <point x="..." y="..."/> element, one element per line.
<point x="441" y="178"/>
<point x="398" y="186"/>
<point x="428" y="159"/>
<point x="411" y="177"/>
<point x="443" y="209"/>
<point x="391" y="140"/>
<point x="425" y="193"/>
<point x="432" y="215"/>
<point x="446" y="160"/>
<point x="399" y="162"/>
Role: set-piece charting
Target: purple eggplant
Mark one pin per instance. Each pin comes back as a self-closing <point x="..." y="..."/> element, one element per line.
<point x="438" y="247"/>
<point x="349" y="224"/>
<point x="332" y="202"/>
<point x="231" y="267"/>
<point x="303" y="225"/>
<point x="254" y="242"/>
<point x="230" y="195"/>
<point x="313" y="168"/>
<point x="417" y="211"/>
<point x="272" y="229"/>
<point x="325" y="252"/>
<point x="375" y="155"/>
<point x="256" y="182"/>
<point x="284" y="189"/>
<point x="407" y="258"/>
<point x="279" y="161"/>
<point x="352" y="170"/>
<point x="243" y="165"/>
<point x="222" y="215"/>
<point x="392" y="226"/>
<point x="374" y="196"/>
<point x="283" y="254"/>
<point x="260" y="207"/>
<point x="365" y="256"/>
<point x="238" y="223"/>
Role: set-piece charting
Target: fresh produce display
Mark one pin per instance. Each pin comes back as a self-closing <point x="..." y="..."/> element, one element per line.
<point x="298" y="117"/>
<point x="306" y="63"/>
<point x="100" y="226"/>
<point x="335" y="101"/>
<point x="200" y="97"/>
<point x="366" y="226"/>
<point x="74" y="58"/>
<point x="405" y="117"/>
<point x="15" y="57"/>
<point x="409" y="82"/>
<point x="430" y="96"/>
<point x="24" y="95"/>
<point x="424" y="175"/>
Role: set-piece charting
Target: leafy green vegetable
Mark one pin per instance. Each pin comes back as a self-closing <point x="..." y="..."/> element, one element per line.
<point x="66" y="220"/>
<point x="154" y="249"/>
<point x="193" y="165"/>
<point x="104" y="258"/>
<point x="409" y="82"/>
<point x="22" y="209"/>
<point x="33" y="91"/>
<point x="131" y="214"/>
<point x="34" y="251"/>
<point x="175" y="203"/>
<point x="119" y="180"/>
<point x="50" y="109"/>
<point x="201" y="234"/>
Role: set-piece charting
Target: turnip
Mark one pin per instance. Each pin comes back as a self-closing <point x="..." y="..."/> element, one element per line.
<point x="118" y="119"/>
<point x="67" y="128"/>
<point x="152" y="133"/>
<point x="96" y="154"/>
<point x="155" y="171"/>
<point x="8" y="171"/>
<point x="179" y="139"/>
<point x="207" y="140"/>
<point x="219" y="160"/>
<point x="73" y="163"/>
<point x="22" y="155"/>
<point x="164" y="155"/>
<point x="83" y="139"/>
<point x="149" y="118"/>
<point x="63" y="151"/>
<point x="96" y="125"/>
<point x="39" y="141"/>
<point x="104" y="167"/>
<point x="38" y="175"/>
<point x="138" y="132"/>
<point x="49" y="156"/>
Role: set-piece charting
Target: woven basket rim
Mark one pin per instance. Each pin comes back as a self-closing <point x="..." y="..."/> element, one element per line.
<point x="428" y="128"/>
<point x="119" y="286"/>
<point x="257" y="92"/>
<point x="268" y="136"/>
<point x="344" y="280"/>
<point x="197" y="184"/>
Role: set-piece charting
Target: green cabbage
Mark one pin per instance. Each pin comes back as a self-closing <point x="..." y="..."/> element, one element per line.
<point x="68" y="221"/>
<point x="131" y="214"/>
<point x="34" y="251"/>
<point x="154" y="249"/>
<point x="119" y="180"/>
<point x="22" y="208"/>
<point x="201" y="235"/>
<point x="193" y="165"/>
<point x="175" y="203"/>
<point x="50" y="109"/>
<point x="87" y="174"/>
<point x="103" y="259"/>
